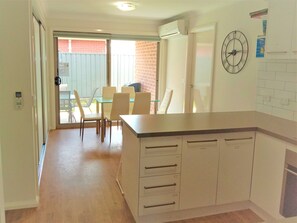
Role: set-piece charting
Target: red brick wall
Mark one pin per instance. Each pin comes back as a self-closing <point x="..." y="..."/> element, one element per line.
<point x="82" y="46"/>
<point x="146" y="66"/>
<point x="63" y="45"/>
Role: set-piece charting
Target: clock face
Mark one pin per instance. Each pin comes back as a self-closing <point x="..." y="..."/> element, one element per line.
<point x="234" y="52"/>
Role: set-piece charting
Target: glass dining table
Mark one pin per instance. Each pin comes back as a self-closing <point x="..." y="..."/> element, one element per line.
<point x="101" y="101"/>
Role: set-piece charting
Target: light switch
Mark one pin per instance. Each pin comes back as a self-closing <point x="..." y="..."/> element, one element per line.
<point x="18" y="100"/>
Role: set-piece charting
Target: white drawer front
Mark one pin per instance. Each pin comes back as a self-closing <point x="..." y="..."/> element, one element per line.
<point x="153" y="166"/>
<point x="158" y="204"/>
<point x="160" y="146"/>
<point x="168" y="184"/>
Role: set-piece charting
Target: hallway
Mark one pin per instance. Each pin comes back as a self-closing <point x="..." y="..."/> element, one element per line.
<point x="78" y="181"/>
<point x="78" y="184"/>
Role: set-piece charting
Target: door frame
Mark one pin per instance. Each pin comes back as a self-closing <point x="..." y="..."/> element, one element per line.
<point x="191" y="64"/>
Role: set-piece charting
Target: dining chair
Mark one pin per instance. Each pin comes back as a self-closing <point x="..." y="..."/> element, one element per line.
<point x="91" y="99"/>
<point x="119" y="106"/>
<point x="130" y="90"/>
<point x="86" y="117"/>
<point x="107" y="93"/>
<point x="142" y="103"/>
<point x="163" y="108"/>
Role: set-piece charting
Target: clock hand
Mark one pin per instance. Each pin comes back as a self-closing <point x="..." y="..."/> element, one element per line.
<point x="233" y="52"/>
<point x="229" y="55"/>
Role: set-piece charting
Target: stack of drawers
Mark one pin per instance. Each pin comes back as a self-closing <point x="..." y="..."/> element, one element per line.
<point x="160" y="165"/>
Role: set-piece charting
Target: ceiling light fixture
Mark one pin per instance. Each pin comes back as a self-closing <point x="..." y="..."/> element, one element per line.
<point x="126" y="6"/>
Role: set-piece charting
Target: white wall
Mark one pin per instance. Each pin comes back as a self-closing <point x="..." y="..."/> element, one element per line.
<point x="176" y="71"/>
<point x="2" y="213"/>
<point x="17" y="126"/>
<point x="234" y="92"/>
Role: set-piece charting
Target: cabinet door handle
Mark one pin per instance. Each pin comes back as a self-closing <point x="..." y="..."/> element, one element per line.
<point x="238" y="139"/>
<point x="160" y="147"/>
<point x="159" y="205"/>
<point x="159" y="186"/>
<point x="156" y="167"/>
<point x="201" y="141"/>
<point x="291" y="171"/>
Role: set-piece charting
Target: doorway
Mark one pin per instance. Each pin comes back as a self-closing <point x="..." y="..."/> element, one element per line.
<point x="89" y="63"/>
<point x="202" y="69"/>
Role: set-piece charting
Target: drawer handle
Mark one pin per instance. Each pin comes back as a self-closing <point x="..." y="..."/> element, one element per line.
<point x="238" y="139"/>
<point x="160" y="147"/>
<point x="159" y="205"/>
<point x="159" y="186"/>
<point x="199" y="141"/>
<point x="156" y="167"/>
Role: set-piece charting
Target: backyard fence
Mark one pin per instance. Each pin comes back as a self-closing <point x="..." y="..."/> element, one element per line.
<point x="85" y="72"/>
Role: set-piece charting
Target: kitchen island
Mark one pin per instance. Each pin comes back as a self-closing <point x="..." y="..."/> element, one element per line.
<point x="179" y="166"/>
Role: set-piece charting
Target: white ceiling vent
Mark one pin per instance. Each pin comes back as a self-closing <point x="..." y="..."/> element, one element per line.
<point x="174" y="28"/>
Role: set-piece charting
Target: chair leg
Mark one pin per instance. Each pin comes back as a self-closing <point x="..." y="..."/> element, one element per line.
<point x="104" y="127"/>
<point x="110" y="125"/>
<point x="80" y="125"/>
<point x="83" y="128"/>
<point x="97" y="127"/>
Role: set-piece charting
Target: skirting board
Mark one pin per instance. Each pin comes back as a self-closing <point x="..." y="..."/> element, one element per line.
<point x="204" y="211"/>
<point x="22" y="204"/>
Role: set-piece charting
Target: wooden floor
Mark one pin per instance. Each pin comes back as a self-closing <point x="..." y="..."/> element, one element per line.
<point x="78" y="184"/>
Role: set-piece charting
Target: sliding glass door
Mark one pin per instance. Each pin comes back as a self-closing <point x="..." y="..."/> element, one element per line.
<point x="82" y="66"/>
<point x="86" y="64"/>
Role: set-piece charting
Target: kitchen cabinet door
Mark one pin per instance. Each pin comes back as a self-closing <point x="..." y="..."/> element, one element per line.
<point x="235" y="167"/>
<point x="200" y="156"/>
<point x="279" y="28"/>
<point x="268" y="171"/>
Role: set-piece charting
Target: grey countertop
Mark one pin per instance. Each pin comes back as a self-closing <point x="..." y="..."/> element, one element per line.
<point x="214" y="122"/>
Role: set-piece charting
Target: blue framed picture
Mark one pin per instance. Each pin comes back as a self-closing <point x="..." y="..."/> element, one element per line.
<point x="260" y="51"/>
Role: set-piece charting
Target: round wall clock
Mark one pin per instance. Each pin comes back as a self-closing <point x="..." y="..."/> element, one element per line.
<point x="234" y="52"/>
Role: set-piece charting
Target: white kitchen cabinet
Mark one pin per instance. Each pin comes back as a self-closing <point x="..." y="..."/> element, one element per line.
<point x="280" y="25"/>
<point x="200" y="156"/>
<point x="151" y="173"/>
<point x="268" y="171"/>
<point x="235" y="167"/>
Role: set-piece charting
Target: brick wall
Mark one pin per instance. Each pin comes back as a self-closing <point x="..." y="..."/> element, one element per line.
<point x="146" y="66"/>
<point x="82" y="46"/>
<point x="63" y="45"/>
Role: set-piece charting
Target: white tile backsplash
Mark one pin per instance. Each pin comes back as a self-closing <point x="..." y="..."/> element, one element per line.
<point x="285" y="76"/>
<point x="275" y="84"/>
<point x="265" y="75"/>
<point x="276" y="67"/>
<point x="292" y="67"/>
<point x="277" y="88"/>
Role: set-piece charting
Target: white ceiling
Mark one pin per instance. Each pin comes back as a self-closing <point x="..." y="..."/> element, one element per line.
<point x="153" y="10"/>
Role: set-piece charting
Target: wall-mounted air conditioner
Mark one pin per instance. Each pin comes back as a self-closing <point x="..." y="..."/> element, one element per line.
<point x="174" y="28"/>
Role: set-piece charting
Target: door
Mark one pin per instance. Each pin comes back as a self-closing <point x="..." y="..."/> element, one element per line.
<point x="202" y="69"/>
<point x="82" y="66"/>
<point x="87" y="62"/>
<point x="44" y="82"/>
<point x="38" y="94"/>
